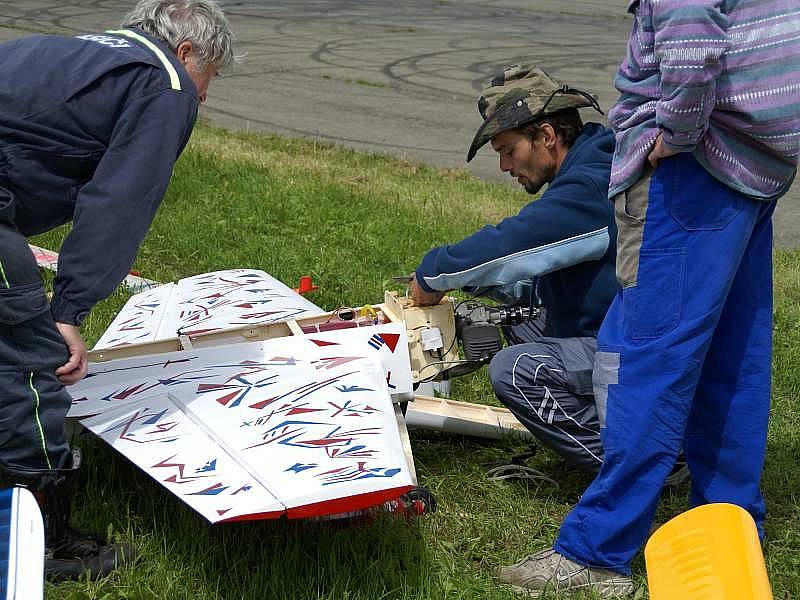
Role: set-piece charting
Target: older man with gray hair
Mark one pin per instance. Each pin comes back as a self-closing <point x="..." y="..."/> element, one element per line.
<point x="90" y="129"/>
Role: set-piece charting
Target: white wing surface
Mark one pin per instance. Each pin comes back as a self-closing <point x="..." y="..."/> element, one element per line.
<point x="166" y="444"/>
<point x="144" y="318"/>
<point x="47" y="259"/>
<point x="253" y="430"/>
<point x="204" y="303"/>
<point x="387" y="342"/>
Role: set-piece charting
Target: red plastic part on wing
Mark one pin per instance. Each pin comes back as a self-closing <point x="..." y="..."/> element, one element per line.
<point x="329" y="507"/>
<point x="348" y="504"/>
<point x="275" y="514"/>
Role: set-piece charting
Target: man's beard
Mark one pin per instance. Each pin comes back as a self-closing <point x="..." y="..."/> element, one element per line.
<point x="533" y="187"/>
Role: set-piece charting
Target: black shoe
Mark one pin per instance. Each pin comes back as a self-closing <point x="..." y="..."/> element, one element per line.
<point x="69" y="552"/>
<point x="80" y="552"/>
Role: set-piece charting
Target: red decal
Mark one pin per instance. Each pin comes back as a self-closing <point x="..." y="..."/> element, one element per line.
<point x="391" y="340"/>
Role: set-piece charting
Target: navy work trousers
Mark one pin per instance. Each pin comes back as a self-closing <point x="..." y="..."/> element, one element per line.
<point x="33" y="403"/>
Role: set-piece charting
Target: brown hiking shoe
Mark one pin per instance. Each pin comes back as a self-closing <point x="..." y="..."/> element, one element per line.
<point x="550" y="571"/>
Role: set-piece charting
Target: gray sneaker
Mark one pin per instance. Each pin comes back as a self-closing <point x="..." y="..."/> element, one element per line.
<point x="678" y="476"/>
<point x="550" y="571"/>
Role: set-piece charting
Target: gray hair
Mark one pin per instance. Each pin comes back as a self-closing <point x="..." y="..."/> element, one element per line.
<point x="200" y="22"/>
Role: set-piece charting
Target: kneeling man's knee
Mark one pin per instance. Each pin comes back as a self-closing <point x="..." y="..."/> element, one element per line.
<point x="501" y="371"/>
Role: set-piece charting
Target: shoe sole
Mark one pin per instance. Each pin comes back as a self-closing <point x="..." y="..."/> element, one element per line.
<point x="611" y="589"/>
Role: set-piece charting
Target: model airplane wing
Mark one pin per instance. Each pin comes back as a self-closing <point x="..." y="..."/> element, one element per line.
<point x="253" y="430"/>
<point x="47" y="259"/>
<point x="205" y="303"/>
<point x="146" y="317"/>
<point x="162" y="440"/>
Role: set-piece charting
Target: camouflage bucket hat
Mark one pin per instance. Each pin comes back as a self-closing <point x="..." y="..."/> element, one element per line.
<point x="519" y="95"/>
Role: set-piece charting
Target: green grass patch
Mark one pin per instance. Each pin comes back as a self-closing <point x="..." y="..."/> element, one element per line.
<point x="352" y="221"/>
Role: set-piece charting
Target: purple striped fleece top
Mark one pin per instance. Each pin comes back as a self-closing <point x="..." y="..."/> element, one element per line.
<point x="720" y="78"/>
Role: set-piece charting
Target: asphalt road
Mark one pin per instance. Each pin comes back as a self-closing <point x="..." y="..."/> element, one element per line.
<point x="398" y="77"/>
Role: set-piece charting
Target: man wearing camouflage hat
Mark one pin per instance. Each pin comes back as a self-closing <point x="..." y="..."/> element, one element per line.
<point x="558" y="250"/>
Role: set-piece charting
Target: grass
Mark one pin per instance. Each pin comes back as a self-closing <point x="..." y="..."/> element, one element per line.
<point x="354" y="220"/>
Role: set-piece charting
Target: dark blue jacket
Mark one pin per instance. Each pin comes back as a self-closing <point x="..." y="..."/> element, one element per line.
<point x="566" y="239"/>
<point x="90" y="128"/>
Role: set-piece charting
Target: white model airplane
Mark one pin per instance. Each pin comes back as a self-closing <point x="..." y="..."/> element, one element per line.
<point x="301" y="425"/>
<point x="247" y="401"/>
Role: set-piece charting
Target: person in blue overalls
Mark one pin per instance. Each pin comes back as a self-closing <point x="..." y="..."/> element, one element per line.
<point x="707" y="139"/>
<point x="90" y="129"/>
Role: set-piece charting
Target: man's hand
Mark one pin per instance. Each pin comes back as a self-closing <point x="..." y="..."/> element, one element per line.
<point x="75" y="368"/>
<point x="423" y="298"/>
<point x="661" y="150"/>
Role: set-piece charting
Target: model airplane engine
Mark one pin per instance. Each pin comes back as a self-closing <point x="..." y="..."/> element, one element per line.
<point x="478" y="327"/>
<point x="435" y="333"/>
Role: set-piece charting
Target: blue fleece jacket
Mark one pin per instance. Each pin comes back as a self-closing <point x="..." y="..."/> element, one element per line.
<point x="566" y="239"/>
<point x="90" y="128"/>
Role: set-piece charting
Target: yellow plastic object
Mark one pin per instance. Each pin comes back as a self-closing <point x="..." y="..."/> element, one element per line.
<point x="368" y="311"/>
<point x="711" y="552"/>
